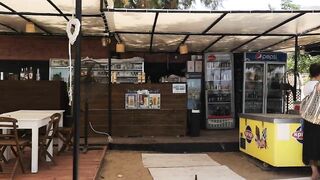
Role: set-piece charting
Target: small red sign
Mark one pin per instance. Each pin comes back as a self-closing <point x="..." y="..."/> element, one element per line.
<point x="212" y="57"/>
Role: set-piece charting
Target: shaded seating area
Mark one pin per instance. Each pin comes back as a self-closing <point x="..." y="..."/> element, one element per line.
<point x="89" y="165"/>
<point x="65" y="134"/>
<point x="46" y="139"/>
<point x="9" y="138"/>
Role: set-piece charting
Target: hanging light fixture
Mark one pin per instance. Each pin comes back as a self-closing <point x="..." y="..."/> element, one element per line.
<point x="120" y="47"/>
<point x="183" y="49"/>
<point x="30" y="28"/>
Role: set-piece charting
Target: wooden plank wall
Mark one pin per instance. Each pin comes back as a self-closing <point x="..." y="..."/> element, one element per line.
<point x="41" y="95"/>
<point x="170" y="120"/>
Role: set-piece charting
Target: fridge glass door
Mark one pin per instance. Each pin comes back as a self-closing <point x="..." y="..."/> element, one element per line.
<point x="219" y="89"/>
<point x="194" y="92"/>
<point x="253" y="87"/>
<point x="59" y="74"/>
<point x="274" y="98"/>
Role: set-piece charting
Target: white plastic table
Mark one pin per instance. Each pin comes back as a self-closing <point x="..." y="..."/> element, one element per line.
<point x="34" y="119"/>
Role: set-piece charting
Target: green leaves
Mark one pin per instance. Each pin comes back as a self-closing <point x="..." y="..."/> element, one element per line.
<point x="304" y="62"/>
<point x="166" y="4"/>
<point x="288" y="5"/>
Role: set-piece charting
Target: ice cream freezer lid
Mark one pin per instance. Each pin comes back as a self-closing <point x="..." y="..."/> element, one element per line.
<point x="275" y="118"/>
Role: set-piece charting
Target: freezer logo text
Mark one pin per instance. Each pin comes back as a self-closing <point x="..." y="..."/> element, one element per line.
<point x="298" y="135"/>
<point x="248" y="134"/>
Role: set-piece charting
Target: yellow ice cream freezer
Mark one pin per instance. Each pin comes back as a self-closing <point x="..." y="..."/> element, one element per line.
<point x="275" y="139"/>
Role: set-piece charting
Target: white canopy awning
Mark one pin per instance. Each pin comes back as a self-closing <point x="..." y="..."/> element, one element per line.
<point x="146" y="30"/>
<point x="226" y="31"/>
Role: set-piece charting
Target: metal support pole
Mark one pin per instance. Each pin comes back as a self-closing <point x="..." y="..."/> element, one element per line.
<point x="109" y="91"/>
<point x="86" y="123"/>
<point x="296" y="54"/>
<point x="76" y="107"/>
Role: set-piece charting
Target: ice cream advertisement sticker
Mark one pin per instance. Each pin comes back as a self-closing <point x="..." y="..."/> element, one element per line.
<point x="298" y="135"/>
<point x="248" y="134"/>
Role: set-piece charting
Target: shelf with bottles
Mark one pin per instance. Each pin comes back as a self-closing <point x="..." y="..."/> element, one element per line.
<point x="127" y="66"/>
<point x="253" y="96"/>
<point x="219" y="110"/>
<point x="219" y="64"/>
<point x="220" y="102"/>
<point x="218" y="85"/>
<point x="253" y="81"/>
<point x="274" y="99"/>
<point x="29" y="74"/>
<point x="253" y="105"/>
<point x="219" y="97"/>
<point x="131" y="69"/>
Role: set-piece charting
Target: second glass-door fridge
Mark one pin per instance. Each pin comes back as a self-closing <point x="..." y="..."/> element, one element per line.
<point x="219" y="91"/>
<point x="263" y="73"/>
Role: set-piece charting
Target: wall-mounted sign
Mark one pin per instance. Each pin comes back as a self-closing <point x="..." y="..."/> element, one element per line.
<point x="179" y="88"/>
<point x="198" y="66"/>
<point x="131" y="100"/>
<point x="190" y="66"/>
<point x="142" y="99"/>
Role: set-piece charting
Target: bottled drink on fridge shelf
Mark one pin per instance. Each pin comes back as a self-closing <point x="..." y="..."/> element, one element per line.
<point x="26" y="74"/>
<point x="22" y="74"/>
<point x="38" y="75"/>
<point x="30" y="74"/>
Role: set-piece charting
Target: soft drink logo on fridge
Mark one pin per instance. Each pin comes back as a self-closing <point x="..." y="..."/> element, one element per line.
<point x="263" y="56"/>
<point x="258" y="56"/>
<point x="266" y="57"/>
<point x="298" y="134"/>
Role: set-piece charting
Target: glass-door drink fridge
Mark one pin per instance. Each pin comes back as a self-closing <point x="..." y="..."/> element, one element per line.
<point x="263" y="74"/>
<point x="219" y="91"/>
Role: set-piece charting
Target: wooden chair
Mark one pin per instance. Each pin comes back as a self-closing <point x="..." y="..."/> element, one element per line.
<point x="11" y="140"/>
<point x="47" y="138"/>
<point x="65" y="134"/>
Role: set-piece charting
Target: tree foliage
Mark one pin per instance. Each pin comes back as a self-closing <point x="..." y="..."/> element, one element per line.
<point x="304" y="62"/>
<point x="165" y="4"/>
<point x="288" y="5"/>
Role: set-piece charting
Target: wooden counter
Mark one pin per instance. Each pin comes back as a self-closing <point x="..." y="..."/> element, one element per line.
<point x="28" y="95"/>
<point x="169" y="120"/>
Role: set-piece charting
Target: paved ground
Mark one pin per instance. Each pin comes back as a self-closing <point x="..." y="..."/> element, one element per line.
<point x="127" y="165"/>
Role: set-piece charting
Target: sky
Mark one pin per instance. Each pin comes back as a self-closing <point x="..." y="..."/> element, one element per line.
<point x="262" y="4"/>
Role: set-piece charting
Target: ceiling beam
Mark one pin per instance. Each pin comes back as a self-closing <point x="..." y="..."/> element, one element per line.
<point x="9" y="27"/>
<point x="203" y="32"/>
<point x="153" y="29"/>
<point x="310" y="34"/>
<point x="56" y="7"/>
<point x="45" y="14"/>
<point x="206" y="11"/>
<point x="211" y="44"/>
<point x="292" y="36"/>
<point x="284" y="40"/>
<point x="200" y="34"/>
<point x="269" y="30"/>
<point x="106" y="27"/>
<point x="45" y="35"/>
<point x="309" y="30"/>
<point x="117" y="37"/>
<point x="214" y="23"/>
<point x="25" y="18"/>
